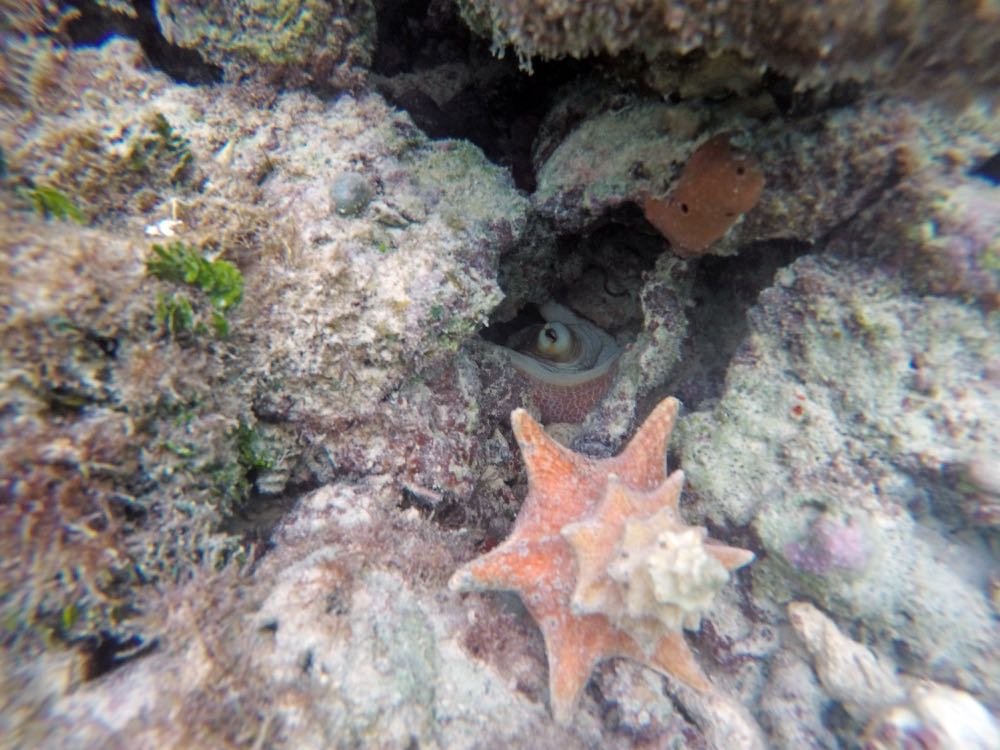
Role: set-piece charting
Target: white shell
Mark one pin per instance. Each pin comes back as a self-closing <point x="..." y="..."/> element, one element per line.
<point x="666" y="572"/>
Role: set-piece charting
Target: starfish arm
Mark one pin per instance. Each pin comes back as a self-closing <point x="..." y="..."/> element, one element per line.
<point x="562" y="483"/>
<point x="516" y="565"/>
<point x="574" y="645"/>
<point x="568" y="674"/>
<point x="731" y="557"/>
<point x="644" y="460"/>
<point x="665" y="495"/>
<point x="545" y="459"/>
<point x="673" y="657"/>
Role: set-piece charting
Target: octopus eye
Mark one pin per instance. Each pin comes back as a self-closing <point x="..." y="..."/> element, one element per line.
<point x="555" y="341"/>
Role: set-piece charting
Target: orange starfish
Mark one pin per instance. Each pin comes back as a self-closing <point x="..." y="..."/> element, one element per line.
<point x="572" y="538"/>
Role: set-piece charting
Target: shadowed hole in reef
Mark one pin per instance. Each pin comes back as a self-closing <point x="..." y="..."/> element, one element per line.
<point x="597" y="274"/>
<point x="96" y="24"/>
<point x="430" y="64"/>
<point x="724" y="290"/>
<point x="602" y="276"/>
<point x="988" y="169"/>
<point x="106" y="652"/>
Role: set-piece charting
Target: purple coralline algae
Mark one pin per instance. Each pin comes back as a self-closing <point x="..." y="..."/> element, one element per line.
<point x="830" y="545"/>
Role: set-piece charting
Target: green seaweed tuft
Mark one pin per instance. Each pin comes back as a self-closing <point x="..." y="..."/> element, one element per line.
<point x="175" y="313"/>
<point x="219" y="280"/>
<point x="252" y="451"/>
<point x="163" y="146"/>
<point x="181" y="263"/>
<point x="52" y="203"/>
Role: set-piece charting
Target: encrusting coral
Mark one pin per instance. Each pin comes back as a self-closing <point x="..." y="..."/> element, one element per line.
<point x="603" y="561"/>
<point x="719" y="184"/>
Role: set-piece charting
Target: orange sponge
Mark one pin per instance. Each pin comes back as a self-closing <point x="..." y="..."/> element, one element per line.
<point x="718" y="184"/>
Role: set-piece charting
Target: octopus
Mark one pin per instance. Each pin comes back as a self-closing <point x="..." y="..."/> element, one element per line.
<point x="567" y="363"/>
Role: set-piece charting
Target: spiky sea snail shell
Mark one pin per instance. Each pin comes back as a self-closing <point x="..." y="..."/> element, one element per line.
<point x="567" y="363"/>
<point x="642" y="567"/>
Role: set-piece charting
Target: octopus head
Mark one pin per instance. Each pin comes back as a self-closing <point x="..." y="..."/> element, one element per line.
<point x="557" y="343"/>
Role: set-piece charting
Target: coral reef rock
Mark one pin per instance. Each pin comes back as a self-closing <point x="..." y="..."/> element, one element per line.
<point x="813" y="42"/>
<point x="268" y="280"/>
<point x="848" y="417"/>
<point x="820" y="170"/>
<point x="641" y="575"/>
<point x="163" y="428"/>
<point x="324" y="44"/>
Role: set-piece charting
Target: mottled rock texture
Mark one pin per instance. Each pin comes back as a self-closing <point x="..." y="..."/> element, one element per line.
<point x="910" y="43"/>
<point x="326" y="45"/>
<point x="854" y="399"/>
<point x="338" y="313"/>
<point x="243" y="540"/>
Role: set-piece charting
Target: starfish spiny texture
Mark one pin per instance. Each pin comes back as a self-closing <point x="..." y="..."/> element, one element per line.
<point x="602" y="560"/>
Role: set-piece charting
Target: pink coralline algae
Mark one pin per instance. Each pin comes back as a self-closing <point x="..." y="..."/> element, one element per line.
<point x="830" y="545"/>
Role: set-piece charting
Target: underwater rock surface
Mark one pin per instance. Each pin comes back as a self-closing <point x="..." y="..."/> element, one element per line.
<point x="841" y="356"/>
<point x="811" y="42"/>
<point x="255" y="394"/>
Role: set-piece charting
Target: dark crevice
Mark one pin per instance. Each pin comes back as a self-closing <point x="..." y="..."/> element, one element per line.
<point x="725" y="288"/>
<point x="794" y="102"/>
<point x="604" y="266"/>
<point x="97" y="24"/>
<point x="428" y="62"/>
<point x="107" y="653"/>
<point x="835" y="718"/>
<point x="988" y="169"/>
<point x="613" y="260"/>
<point x="500" y="332"/>
<point x="257" y="517"/>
